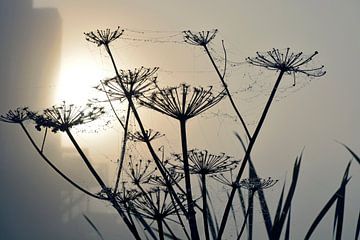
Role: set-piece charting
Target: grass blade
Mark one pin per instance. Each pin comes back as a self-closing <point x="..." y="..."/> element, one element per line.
<point x="93" y="226"/>
<point x="328" y="205"/>
<point x="357" y="232"/>
<point x="287" y="232"/>
<point x="357" y="158"/>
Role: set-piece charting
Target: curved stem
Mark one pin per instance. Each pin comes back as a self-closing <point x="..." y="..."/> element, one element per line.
<point x="56" y="169"/>
<point x="221" y="77"/>
<point x="245" y="219"/>
<point x="112" y="106"/>
<point x="189" y="198"/>
<point x="247" y="154"/>
<point x="44" y="139"/>
<point x="123" y="148"/>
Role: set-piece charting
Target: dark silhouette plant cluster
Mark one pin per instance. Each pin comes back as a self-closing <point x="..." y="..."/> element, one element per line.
<point x="156" y="197"/>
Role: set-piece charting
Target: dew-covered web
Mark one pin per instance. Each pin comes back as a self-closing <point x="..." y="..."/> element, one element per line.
<point x="178" y="63"/>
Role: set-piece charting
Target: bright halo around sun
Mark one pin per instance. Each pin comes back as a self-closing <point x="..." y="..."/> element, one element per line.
<point x="76" y="82"/>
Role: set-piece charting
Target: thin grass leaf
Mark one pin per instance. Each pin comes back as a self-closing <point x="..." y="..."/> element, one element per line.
<point x="213" y="224"/>
<point x="93" y="226"/>
<point x="233" y="214"/>
<point x="328" y="205"/>
<point x="263" y="204"/>
<point x="340" y="206"/>
<point x="287" y="232"/>
<point x="357" y="232"/>
<point x="278" y="225"/>
<point x="280" y="203"/>
<point x="357" y="158"/>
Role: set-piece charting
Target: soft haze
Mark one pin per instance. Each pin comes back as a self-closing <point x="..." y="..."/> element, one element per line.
<point x="45" y="59"/>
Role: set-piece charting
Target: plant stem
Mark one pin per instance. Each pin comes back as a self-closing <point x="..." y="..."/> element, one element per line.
<point x="247" y="154"/>
<point x="227" y="91"/>
<point x="205" y="206"/>
<point x="55" y="168"/>
<point x="142" y="129"/>
<point x="160" y="228"/>
<point x="86" y="160"/>
<point x="190" y="202"/>
<point x="123" y="148"/>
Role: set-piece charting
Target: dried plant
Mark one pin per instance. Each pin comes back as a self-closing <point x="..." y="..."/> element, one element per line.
<point x="287" y="62"/>
<point x="103" y="37"/>
<point x="182" y="103"/>
<point x="63" y="117"/>
<point x="19" y="115"/>
<point x="149" y="136"/>
<point x="200" y="38"/>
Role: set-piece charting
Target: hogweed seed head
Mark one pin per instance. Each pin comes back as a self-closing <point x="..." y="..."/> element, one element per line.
<point x="103" y="37"/>
<point x="160" y="181"/>
<point x="205" y="163"/>
<point x="19" y="115"/>
<point x="136" y="82"/>
<point x="181" y="102"/>
<point x="201" y="38"/>
<point x="140" y="172"/>
<point x="63" y="117"/>
<point x="156" y="204"/>
<point x="286" y="62"/>
<point x="255" y="184"/>
<point x="149" y="136"/>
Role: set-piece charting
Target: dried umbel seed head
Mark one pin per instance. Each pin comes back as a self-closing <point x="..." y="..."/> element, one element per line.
<point x="136" y="82"/>
<point x="140" y="171"/>
<point x="19" y="115"/>
<point x="103" y="37"/>
<point x="287" y="62"/>
<point x="200" y="38"/>
<point x="63" y="117"/>
<point x="255" y="184"/>
<point x="149" y="136"/>
<point x="182" y="102"/>
<point x="156" y="204"/>
<point x="160" y="181"/>
<point x="205" y="163"/>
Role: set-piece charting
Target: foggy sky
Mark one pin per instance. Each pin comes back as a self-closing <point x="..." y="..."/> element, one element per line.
<point x="38" y="42"/>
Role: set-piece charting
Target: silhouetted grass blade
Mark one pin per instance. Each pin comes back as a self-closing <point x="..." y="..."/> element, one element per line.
<point x="93" y="226"/>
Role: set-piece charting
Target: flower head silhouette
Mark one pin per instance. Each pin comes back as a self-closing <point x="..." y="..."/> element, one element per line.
<point x="203" y="162"/>
<point x="136" y="82"/>
<point x="287" y="62"/>
<point x="19" y="115"/>
<point x="63" y="117"/>
<point x="103" y="37"/>
<point x="254" y="184"/>
<point x="181" y="102"/>
<point x="150" y="135"/>
<point x="140" y="172"/>
<point x="199" y="39"/>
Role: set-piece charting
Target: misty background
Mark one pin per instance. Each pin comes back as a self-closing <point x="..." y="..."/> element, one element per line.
<point x="45" y="59"/>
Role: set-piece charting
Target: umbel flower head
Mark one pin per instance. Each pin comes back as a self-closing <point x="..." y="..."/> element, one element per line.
<point x="124" y="195"/>
<point x="156" y="204"/>
<point x="140" y="172"/>
<point x="200" y="38"/>
<point x="181" y="102"/>
<point x="149" y="136"/>
<point x="255" y="184"/>
<point x="18" y="115"/>
<point x="63" y="117"/>
<point x="205" y="163"/>
<point x="103" y="37"/>
<point x="286" y="62"/>
<point x="136" y="82"/>
<point x="160" y="181"/>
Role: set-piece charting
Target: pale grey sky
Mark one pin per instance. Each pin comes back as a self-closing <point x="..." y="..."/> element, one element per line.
<point x="313" y="117"/>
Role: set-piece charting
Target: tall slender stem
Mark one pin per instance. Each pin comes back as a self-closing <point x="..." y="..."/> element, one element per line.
<point x="189" y="198"/>
<point x="55" y="168"/>
<point x="86" y="160"/>
<point x="227" y="91"/>
<point x="205" y="206"/>
<point x="123" y="148"/>
<point x="247" y="154"/>
<point x="147" y="141"/>
<point x="44" y="139"/>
